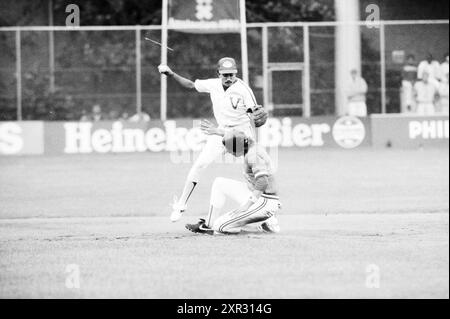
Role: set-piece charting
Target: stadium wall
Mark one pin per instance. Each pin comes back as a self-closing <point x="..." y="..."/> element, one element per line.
<point x="54" y="138"/>
<point x="409" y="131"/>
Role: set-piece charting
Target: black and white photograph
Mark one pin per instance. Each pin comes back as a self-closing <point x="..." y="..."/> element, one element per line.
<point x="224" y="154"/>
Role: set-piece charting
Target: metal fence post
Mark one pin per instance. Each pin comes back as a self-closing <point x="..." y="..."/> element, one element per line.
<point x="265" y="62"/>
<point x="19" y="76"/>
<point x="138" y="71"/>
<point x="164" y="32"/>
<point x="383" y="67"/>
<point x="307" y="76"/>
<point x="244" y="49"/>
<point x="51" y="48"/>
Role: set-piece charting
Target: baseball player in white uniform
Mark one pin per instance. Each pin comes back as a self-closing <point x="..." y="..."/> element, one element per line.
<point x="234" y="107"/>
<point x="425" y="92"/>
<point x="356" y="94"/>
<point x="258" y="198"/>
<point x="431" y="67"/>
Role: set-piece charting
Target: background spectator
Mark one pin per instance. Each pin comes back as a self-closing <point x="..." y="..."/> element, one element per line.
<point x="113" y="115"/>
<point x="97" y="113"/>
<point x="356" y="94"/>
<point x="430" y="66"/>
<point x="124" y="116"/>
<point x="444" y="69"/>
<point x="443" y="95"/>
<point x="409" y="76"/>
<point x="140" y="117"/>
<point x="84" y="116"/>
<point x="425" y="93"/>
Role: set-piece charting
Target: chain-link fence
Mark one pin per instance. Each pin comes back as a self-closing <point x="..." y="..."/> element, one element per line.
<point x="57" y="73"/>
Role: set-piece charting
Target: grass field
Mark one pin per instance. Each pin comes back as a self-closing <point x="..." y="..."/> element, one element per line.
<point x="344" y="212"/>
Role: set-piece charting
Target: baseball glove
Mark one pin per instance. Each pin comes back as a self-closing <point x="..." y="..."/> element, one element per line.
<point x="259" y="115"/>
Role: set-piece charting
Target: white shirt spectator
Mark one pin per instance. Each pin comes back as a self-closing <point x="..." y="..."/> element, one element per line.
<point x="409" y="77"/>
<point x="443" y="71"/>
<point x="443" y="97"/>
<point x="425" y="92"/>
<point x="432" y="68"/>
<point x="357" y="90"/>
<point x="425" y="95"/>
<point x="140" y="117"/>
<point x="356" y="95"/>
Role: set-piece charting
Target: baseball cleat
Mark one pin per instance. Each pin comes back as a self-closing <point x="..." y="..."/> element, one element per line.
<point x="200" y="228"/>
<point x="271" y="225"/>
<point x="177" y="211"/>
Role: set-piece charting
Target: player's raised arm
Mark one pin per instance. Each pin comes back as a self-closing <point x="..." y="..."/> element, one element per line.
<point x="184" y="82"/>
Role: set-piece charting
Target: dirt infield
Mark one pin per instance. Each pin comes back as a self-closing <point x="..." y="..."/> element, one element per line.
<point x="316" y="256"/>
<point x="351" y="222"/>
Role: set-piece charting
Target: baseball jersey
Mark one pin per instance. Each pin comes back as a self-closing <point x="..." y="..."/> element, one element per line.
<point x="357" y="90"/>
<point x="443" y="91"/>
<point x="443" y="71"/>
<point x="230" y="106"/>
<point x="409" y="73"/>
<point x="257" y="163"/>
<point x="431" y="68"/>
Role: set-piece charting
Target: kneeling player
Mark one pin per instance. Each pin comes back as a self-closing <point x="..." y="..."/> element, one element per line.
<point x="257" y="198"/>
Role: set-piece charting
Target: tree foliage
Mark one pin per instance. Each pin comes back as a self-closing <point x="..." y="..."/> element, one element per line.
<point x="148" y="12"/>
<point x="98" y="67"/>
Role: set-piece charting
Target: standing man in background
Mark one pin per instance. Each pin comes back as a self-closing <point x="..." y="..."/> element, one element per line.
<point x="409" y="77"/>
<point x="444" y="69"/>
<point x="97" y="114"/>
<point x="425" y="93"/>
<point x="356" y="95"/>
<point x="443" y="95"/>
<point x="430" y="66"/>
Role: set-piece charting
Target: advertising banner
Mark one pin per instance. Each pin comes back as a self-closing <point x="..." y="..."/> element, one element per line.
<point x="95" y="137"/>
<point x="185" y="135"/>
<point x="346" y="132"/>
<point x="409" y="131"/>
<point x="20" y="138"/>
<point x="210" y="15"/>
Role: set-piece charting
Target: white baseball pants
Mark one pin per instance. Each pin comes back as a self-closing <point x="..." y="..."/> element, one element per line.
<point x="357" y="109"/>
<point x="425" y="108"/>
<point x="265" y="207"/>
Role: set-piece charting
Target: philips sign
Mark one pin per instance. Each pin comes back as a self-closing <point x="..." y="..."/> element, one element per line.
<point x="428" y="129"/>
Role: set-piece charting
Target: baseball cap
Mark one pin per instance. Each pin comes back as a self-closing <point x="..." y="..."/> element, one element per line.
<point x="227" y="65"/>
